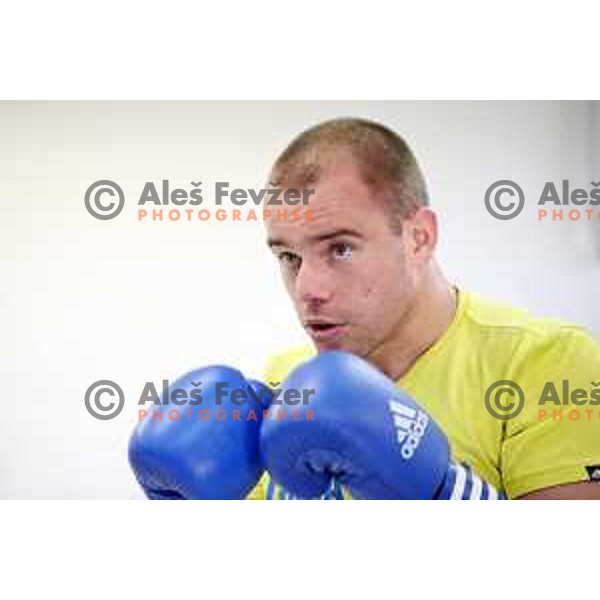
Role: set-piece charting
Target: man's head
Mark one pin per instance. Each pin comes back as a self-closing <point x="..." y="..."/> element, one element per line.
<point x="356" y="271"/>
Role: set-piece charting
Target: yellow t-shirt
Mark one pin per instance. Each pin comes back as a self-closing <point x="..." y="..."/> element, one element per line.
<point x="488" y="342"/>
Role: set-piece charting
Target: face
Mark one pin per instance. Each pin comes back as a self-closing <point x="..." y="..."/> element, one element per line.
<point x="352" y="278"/>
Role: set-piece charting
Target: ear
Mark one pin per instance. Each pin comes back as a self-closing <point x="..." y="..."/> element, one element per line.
<point x="422" y="233"/>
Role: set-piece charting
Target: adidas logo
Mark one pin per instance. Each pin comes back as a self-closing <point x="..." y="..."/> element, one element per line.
<point x="594" y="473"/>
<point x="410" y="426"/>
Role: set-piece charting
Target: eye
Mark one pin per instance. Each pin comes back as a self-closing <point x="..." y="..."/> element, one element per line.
<point x="289" y="259"/>
<point x="341" y="251"/>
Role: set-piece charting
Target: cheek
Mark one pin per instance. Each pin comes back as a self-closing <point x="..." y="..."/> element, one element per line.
<point x="383" y="297"/>
<point x="364" y="285"/>
<point x="290" y="287"/>
<point x="368" y="296"/>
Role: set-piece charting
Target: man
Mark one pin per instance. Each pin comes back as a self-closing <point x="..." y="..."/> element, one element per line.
<point x="364" y="279"/>
<point x="401" y="360"/>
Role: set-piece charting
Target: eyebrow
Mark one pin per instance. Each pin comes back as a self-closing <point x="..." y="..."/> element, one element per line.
<point x="322" y="237"/>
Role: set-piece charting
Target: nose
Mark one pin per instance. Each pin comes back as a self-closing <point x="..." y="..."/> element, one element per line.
<point x="314" y="284"/>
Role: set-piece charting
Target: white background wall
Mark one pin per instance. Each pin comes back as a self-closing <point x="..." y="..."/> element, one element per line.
<point x="84" y="300"/>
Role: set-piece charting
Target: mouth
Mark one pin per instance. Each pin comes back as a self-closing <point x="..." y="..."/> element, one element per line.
<point x="324" y="331"/>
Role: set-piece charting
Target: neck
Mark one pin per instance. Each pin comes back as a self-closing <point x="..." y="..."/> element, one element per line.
<point x="426" y="320"/>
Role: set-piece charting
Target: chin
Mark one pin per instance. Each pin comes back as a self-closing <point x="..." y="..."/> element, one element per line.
<point x="331" y="346"/>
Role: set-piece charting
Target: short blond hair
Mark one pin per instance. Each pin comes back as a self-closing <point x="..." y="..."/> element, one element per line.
<point x="384" y="159"/>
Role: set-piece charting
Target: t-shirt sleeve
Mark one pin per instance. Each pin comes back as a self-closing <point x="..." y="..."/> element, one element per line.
<point x="555" y="438"/>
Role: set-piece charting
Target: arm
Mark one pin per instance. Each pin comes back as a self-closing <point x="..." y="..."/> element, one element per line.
<point x="551" y="450"/>
<point x="583" y="490"/>
<point x="370" y="436"/>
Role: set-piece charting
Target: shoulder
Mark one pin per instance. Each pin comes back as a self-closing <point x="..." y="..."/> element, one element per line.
<point x="494" y="315"/>
<point x="502" y="321"/>
<point x="498" y="337"/>
<point x="527" y="346"/>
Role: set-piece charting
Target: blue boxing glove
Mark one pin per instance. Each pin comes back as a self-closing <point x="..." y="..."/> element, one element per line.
<point x="366" y="434"/>
<point x="210" y="451"/>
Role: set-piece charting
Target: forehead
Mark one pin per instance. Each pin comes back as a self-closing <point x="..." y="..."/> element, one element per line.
<point x="342" y="201"/>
